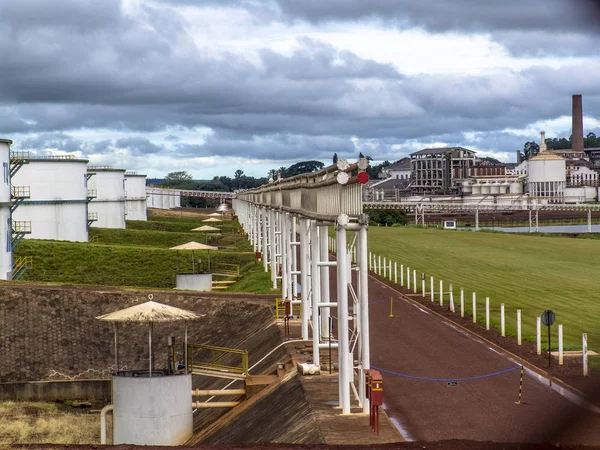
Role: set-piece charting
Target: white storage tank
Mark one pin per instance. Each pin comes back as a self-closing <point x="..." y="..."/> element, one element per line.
<point x="135" y="196"/>
<point x="57" y="206"/>
<point x="6" y="262"/>
<point x="153" y="410"/>
<point x="109" y="204"/>
<point x="547" y="176"/>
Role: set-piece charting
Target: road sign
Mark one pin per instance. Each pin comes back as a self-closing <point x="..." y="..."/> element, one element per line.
<point x="548" y="317"/>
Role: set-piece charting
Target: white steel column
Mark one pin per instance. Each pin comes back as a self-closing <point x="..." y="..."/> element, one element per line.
<point x="325" y="298"/>
<point x="342" y="325"/>
<point x="283" y="246"/>
<point x="315" y="283"/>
<point x="294" y="259"/>
<point x="265" y="240"/>
<point x="272" y="248"/>
<point x="289" y="254"/>
<point x="363" y="301"/>
<point x="305" y="289"/>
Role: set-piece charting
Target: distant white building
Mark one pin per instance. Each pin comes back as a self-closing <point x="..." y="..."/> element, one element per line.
<point x="400" y="170"/>
<point x="108" y="207"/>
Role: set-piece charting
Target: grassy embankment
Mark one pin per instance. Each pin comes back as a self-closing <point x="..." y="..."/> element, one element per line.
<point x="26" y="423"/>
<point x="531" y="273"/>
<point x="138" y="256"/>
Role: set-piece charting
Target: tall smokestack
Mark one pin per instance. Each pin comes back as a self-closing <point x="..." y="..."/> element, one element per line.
<point x="577" y="132"/>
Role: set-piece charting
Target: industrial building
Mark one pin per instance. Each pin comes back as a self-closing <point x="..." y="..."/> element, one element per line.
<point x="6" y="262"/>
<point x="108" y="207"/>
<point x="162" y="198"/>
<point x="135" y="196"/>
<point x="54" y="197"/>
<point x="440" y="170"/>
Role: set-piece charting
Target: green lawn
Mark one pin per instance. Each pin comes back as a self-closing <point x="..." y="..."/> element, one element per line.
<point x="531" y="273"/>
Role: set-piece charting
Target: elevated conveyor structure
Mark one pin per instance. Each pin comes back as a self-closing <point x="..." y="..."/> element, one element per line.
<point x="288" y="220"/>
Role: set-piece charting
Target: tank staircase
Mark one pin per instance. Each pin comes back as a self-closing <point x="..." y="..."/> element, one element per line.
<point x="18" y="194"/>
<point x="19" y="229"/>
<point x="91" y="194"/>
<point x="21" y="265"/>
<point x="17" y="160"/>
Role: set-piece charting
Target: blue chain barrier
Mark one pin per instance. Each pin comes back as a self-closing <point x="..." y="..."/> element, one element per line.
<point x="476" y="377"/>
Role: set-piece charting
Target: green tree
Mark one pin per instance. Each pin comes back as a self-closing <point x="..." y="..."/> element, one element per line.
<point x="530" y="149"/>
<point x="335" y="158"/>
<point x="304" y="167"/>
<point x="178" y="178"/>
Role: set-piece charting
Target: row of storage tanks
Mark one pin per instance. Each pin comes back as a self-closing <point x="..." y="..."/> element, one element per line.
<point x="59" y="197"/>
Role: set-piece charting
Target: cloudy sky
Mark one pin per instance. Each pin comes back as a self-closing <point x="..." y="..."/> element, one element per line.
<point x="211" y="86"/>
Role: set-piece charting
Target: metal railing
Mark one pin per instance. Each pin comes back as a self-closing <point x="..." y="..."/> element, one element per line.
<point x="220" y="362"/>
<point x="54" y="157"/>
<point x="21" y="226"/>
<point x="92" y="193"/>
<point x="20" y="265"/>
<point x="281" y="309"/>
<point x="92" y="168"/>
<point x="226" y="270"/>
<point x="20" y="191"/>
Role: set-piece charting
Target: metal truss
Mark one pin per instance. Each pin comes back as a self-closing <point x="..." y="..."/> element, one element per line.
<point x="288" y="221"/>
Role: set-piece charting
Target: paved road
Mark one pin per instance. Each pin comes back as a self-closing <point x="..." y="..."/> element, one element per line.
<point x="419" y="343"/>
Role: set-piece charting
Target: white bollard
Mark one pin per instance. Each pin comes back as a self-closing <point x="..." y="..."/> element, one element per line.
<point x="414" y="281"/>
<point x="502" y="323"/>
<point x="370" y="261"/>
<point x="423" y="284"/>
<point x="396" y="272"/>
<point x="432" y="290"/>
<point x="560" y="345"/>
<point x="390" y="271"/>
<point x="441" y="293"/>
<point x="518" y="327"/>
<point x="474" y="307"/>
<point x="487" y="313"/>
<point x="538" y="334"/>
<point x="379" y="265"/>
<point x="585" y="354"/>
<point x="462" y="302"/>
<point x="408" y="278"/>
<point x="451" y="299"/>
<point x="402" y="275"/>
<point x="384" y="267"/>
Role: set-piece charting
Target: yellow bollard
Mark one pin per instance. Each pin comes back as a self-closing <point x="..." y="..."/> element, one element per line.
<point x="391" y="308"/>
<point x="518" y="402"/>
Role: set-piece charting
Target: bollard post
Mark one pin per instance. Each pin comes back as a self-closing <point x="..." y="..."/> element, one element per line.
<point x="502" y="323"/>
<point x="414" y="281"/>
<point x="408" y="278"/>
<point x="370" y="261"/>
<point x="518" y="402"/>
<point x="487" y="313"/>
<point x="585" y="354"/>
<point x="379" y="265"/>
<point x="384" y="267"/>
<point x="474" y="307"/>
<point x="402" y="275"/>
<point x="423" y="284"/>
<point x="518" y="327"/>
<point x="538" y="334"/>
<point x="396" y="272"/>
<point x="390" y="270"/>
<point x="432" y="290"/>
<point x="560" y="345"/>
<point x="391" y="308"/>
<point x="441" y="293"/>
<point x="451" y="299"/>
<point x="462" y="302"/>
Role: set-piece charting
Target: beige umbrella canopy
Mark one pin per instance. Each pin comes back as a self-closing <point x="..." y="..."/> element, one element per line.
<point x="215" y="214"/>
<point x="212" y="219"/>
<point x="149" y="312"/>
<point x="194" y="246"/>
<point x="206" y="228"/>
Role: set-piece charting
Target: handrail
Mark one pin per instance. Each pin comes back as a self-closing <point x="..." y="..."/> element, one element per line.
<point x="217" y="354"/>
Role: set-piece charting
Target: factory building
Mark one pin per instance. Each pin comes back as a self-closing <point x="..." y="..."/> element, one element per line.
<point x="440" y="170"/>
<point x="135" y="196"/>
<point x="54" y="197"/>
<point x="108" y="207"/>
<point x="6" y="261"/>
<point x="162" y="198"/>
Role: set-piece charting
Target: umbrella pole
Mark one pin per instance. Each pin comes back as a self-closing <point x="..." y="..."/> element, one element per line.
<point x="177" y="261"/>
<point x="208" y="261"/>
<point x="193" y="267"/>
<point x="185" y="339"/>
<point x="150" y="350"/>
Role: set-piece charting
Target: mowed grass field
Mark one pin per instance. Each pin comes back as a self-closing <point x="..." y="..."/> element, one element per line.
<point x="531" y="273"/>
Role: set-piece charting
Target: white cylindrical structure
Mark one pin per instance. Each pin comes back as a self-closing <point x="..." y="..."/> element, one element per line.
<point x="474" y="307"/>
<point x="487" y="313"/>
<point x="415" y="281"/>
<point x="325" y="298"/>
<point x="57" y="206"/>
<point x="538" y="334"/>
<point x="6" y="261"/>
<point x="431" y="289"/>
<point x="560" y="345"/>
<point x="462" y="302"/>
<point x="518" y="327"/>
<point x="584" y="349"/>
<point x="441" y="293"/>
<point x="502" y="321"/>
<point x="135" y="196"/>
<point x="109" y="204"/>
<point x="547" y="176"/>
<point x="342" y="322"/>
<point x="152" y="411"/>
<point x="396" y="272"/>
<point x="363" y="295"/>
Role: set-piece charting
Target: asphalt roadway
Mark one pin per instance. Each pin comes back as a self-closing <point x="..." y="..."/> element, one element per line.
<point x="419" y="343"/>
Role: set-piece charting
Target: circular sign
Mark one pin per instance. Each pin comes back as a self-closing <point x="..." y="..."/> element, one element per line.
<point x="363" y="177"/>
<point x="548" y="317"/>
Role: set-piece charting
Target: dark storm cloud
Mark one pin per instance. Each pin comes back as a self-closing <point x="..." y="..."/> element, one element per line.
<point x="60" y="141"/>
<point x="138" y="146"/>
<point x="552" y="22"/>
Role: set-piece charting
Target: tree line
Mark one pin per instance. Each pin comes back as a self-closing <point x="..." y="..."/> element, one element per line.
<point x="532" y="148"/>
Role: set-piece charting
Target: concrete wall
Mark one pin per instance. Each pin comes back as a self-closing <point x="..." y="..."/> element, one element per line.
<point x="50" y="332"/>
<point x="50" y="391"/>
